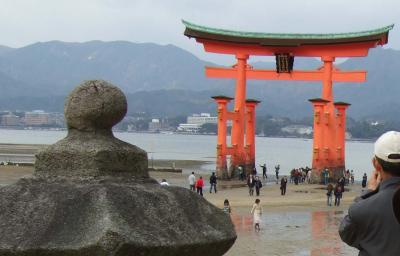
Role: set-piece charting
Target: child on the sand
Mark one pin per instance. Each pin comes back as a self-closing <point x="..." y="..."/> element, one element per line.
<point x="257" y="211"/>
<point x="227" y="207"/>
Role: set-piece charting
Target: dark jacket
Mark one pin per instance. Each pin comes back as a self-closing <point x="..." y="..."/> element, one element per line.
<point x="371" y="225"/>
<point x="250" y="184"/>
<point x="338" y="191"/>
<point x="283" y="182"/>
<point x="213" y="179"/>
<point x="258" y="183"/>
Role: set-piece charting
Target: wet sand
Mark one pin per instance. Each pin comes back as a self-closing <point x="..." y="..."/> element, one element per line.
<point x="299" y="223"/>
<point x="25" y="153"/>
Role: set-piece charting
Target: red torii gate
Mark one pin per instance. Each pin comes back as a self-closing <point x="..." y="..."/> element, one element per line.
<point x="329" y="117"/>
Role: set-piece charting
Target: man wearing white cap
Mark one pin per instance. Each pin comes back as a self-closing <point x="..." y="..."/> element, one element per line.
<point x="371" y="225"/>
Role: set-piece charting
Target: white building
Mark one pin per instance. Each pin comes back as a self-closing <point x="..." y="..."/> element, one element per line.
<point x="203" y="118"/>
<point x="157" y="125"/>
<point x="298" y="129"/>
<point x="189" y="128"/>
<point x="194" y="122"/>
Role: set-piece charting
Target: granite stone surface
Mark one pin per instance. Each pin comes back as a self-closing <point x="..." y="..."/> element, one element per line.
<point x="91" y="195"/>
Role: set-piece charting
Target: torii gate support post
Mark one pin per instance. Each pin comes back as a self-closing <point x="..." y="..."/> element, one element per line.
<point x="221" y="167"/>
<point x="329" y="112"/>
<point x="341" y="133"/>
<point x="251" y="133"/>
<point x="238" y="158"/>
<point x="319" y="155"/>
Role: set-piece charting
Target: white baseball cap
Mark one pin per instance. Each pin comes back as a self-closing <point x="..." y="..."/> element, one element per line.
<point x="387" y="147"/>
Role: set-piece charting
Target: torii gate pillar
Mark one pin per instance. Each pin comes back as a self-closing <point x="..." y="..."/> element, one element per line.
<point x="221" y="166"/>
<point x="244" y="154"/>
<point x="250" y="134"/>
<point x="238" y="125"/>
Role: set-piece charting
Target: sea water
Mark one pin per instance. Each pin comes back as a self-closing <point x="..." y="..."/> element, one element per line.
<point x="288" y="152"/>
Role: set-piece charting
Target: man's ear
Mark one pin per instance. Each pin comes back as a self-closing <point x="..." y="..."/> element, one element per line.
<point x="377" y="165"/>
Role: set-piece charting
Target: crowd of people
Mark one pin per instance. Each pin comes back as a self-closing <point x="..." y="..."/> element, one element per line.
<point x="297" y="176"/>
<point x="300" y="175"/>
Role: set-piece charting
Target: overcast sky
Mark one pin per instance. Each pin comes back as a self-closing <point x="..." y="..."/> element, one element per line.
<point x="24" y="22"/>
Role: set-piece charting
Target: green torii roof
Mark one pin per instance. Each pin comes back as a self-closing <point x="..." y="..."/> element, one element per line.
<point x="283" y="39"/>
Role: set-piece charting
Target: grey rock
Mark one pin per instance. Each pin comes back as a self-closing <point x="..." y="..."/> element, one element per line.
<point x="87" y="154"/>
<point x="94" y="105"/>
<point x="91" y="195"/>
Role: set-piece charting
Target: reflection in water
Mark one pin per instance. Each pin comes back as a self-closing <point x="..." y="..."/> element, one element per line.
<point x="242" y="222"/>
<point x="290" y="233"/>
<point x="324" y="230"/>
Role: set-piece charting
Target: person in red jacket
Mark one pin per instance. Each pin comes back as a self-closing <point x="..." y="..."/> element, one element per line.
<point x="200" y="185"/>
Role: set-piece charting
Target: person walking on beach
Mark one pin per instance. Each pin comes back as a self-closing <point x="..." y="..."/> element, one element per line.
<point x="200" y="185"/>
<point x="264" y="170"/>
<point x="371" y="225"/>
<point x="241" y="173"/>
<point x="227" y="207"/>
<point x="364" y="181"/>
<point x="250" y="184"/>
<point x="338" y="194"/>
<point x="352" y="177"/>
<point x="254" y="172"/>
<point x="257" y="212"/>
<point x="213" y="182"/>
<point x="341" y="182"/>
<point x="192" y="181"/>
<point x="257" y="185"/>
<point x="283" y="185"/>
<point x="329" y="194"/>
<point x="325" y="173"/>
<point x="309" y="172"/>
<point x="277" y="167"/>
<point x="296" y="177"/>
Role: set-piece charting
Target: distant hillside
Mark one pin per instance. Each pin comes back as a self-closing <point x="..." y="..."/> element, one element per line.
<point x="4" y="49"/>
<point x="56" y="67"/>
<point x="168" y="80"/>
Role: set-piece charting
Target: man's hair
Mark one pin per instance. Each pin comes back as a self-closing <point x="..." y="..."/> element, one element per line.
<point x="391" y="168"/>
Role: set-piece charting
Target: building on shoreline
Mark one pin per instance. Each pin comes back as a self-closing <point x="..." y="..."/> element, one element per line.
<point x="158" y="125"/>
<point x="36" y="118"/>
<point x="10" y="120"/>
<point x="301" y="130"/>
<point x="195" y="122"/>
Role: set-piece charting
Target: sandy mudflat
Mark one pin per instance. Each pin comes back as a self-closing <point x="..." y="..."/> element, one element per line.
<point x="6" y="148"/>
<point x="299" y="223"/>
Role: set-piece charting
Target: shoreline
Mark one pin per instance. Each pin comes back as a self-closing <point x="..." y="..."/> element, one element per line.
<point x="302" y="197"/>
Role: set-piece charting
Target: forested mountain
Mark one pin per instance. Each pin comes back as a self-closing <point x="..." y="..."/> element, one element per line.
<point x="166" y="80"/>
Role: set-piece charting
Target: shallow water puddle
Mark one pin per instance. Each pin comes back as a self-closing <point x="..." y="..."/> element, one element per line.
<point x="291" y="233"/>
